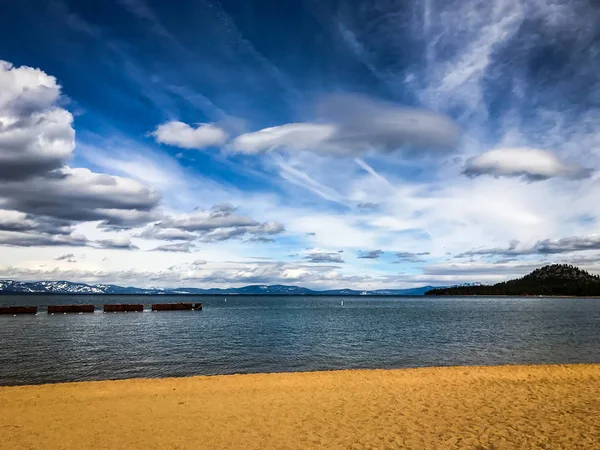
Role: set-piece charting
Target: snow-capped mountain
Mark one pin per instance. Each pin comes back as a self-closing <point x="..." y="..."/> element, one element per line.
<point x="67" y="287"/>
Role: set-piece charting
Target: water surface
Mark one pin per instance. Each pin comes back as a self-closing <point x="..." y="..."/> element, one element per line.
<point x="276" y="334"/>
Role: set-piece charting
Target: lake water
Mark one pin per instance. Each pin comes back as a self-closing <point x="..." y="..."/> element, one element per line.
<point x="276" y="334"/>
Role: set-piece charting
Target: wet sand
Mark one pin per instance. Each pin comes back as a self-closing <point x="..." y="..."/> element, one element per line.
<point x="545" y="407"/>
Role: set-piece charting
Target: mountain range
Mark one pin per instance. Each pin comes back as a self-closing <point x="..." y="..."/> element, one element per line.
<point x="67" y="287"/>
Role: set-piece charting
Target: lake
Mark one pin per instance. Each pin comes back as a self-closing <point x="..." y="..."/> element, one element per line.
<point x="279" y="334"/>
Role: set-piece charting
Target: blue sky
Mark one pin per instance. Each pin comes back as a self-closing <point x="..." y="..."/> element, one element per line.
<point x="316" y="143"/>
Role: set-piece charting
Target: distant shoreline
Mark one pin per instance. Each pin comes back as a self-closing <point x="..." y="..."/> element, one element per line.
<point x="513" y="296"/>
<point x="91" y="294"/>
<point x="210" y="295"/>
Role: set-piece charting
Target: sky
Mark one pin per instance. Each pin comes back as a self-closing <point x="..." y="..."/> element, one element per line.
<point x="326" y="144"/>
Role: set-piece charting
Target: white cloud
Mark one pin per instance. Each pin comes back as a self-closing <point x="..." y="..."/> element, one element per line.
<point x="179" y="134"/>
<point x="354" y="125"/>
<point x="26" y="88"/>
<point x="530" y="163"/>
<point x="294" y="136"/>
<point x="35" y="135"/>
<point x="42" y="200"/>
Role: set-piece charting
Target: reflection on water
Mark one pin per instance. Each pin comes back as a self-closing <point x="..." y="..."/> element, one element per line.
<point x="273" y="334"/>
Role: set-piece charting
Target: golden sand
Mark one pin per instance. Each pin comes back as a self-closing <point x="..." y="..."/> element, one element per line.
<point x="508" y="407"/>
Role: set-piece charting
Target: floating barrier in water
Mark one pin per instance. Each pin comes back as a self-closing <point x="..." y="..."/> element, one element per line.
<point x="123" y="308"/>
<point x="176" y="306"/>
<point x="64" y="309"/>
<point x="18" y="310"/>
<point x="70" y="309"/>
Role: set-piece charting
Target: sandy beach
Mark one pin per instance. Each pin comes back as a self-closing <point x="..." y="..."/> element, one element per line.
<point x="546" y="407"/>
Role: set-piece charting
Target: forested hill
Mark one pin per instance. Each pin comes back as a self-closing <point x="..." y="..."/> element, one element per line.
<point x="556" y="279"/>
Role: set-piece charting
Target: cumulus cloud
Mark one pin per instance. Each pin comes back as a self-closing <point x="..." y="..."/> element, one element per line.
<point x="373" y="254"/>
<point x="221" y="223"/>
<point x="529" y="163"/>
<point x="82" y="195"/>
<point x="36" y="136"/>
<point x="41" y="198"/>
<point x="351" y="125"/>
<point x="179" y="134"/>
<point x="323" y="257"/>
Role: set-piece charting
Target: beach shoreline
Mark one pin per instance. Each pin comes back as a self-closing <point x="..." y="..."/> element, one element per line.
<point x="545" y="406"/>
